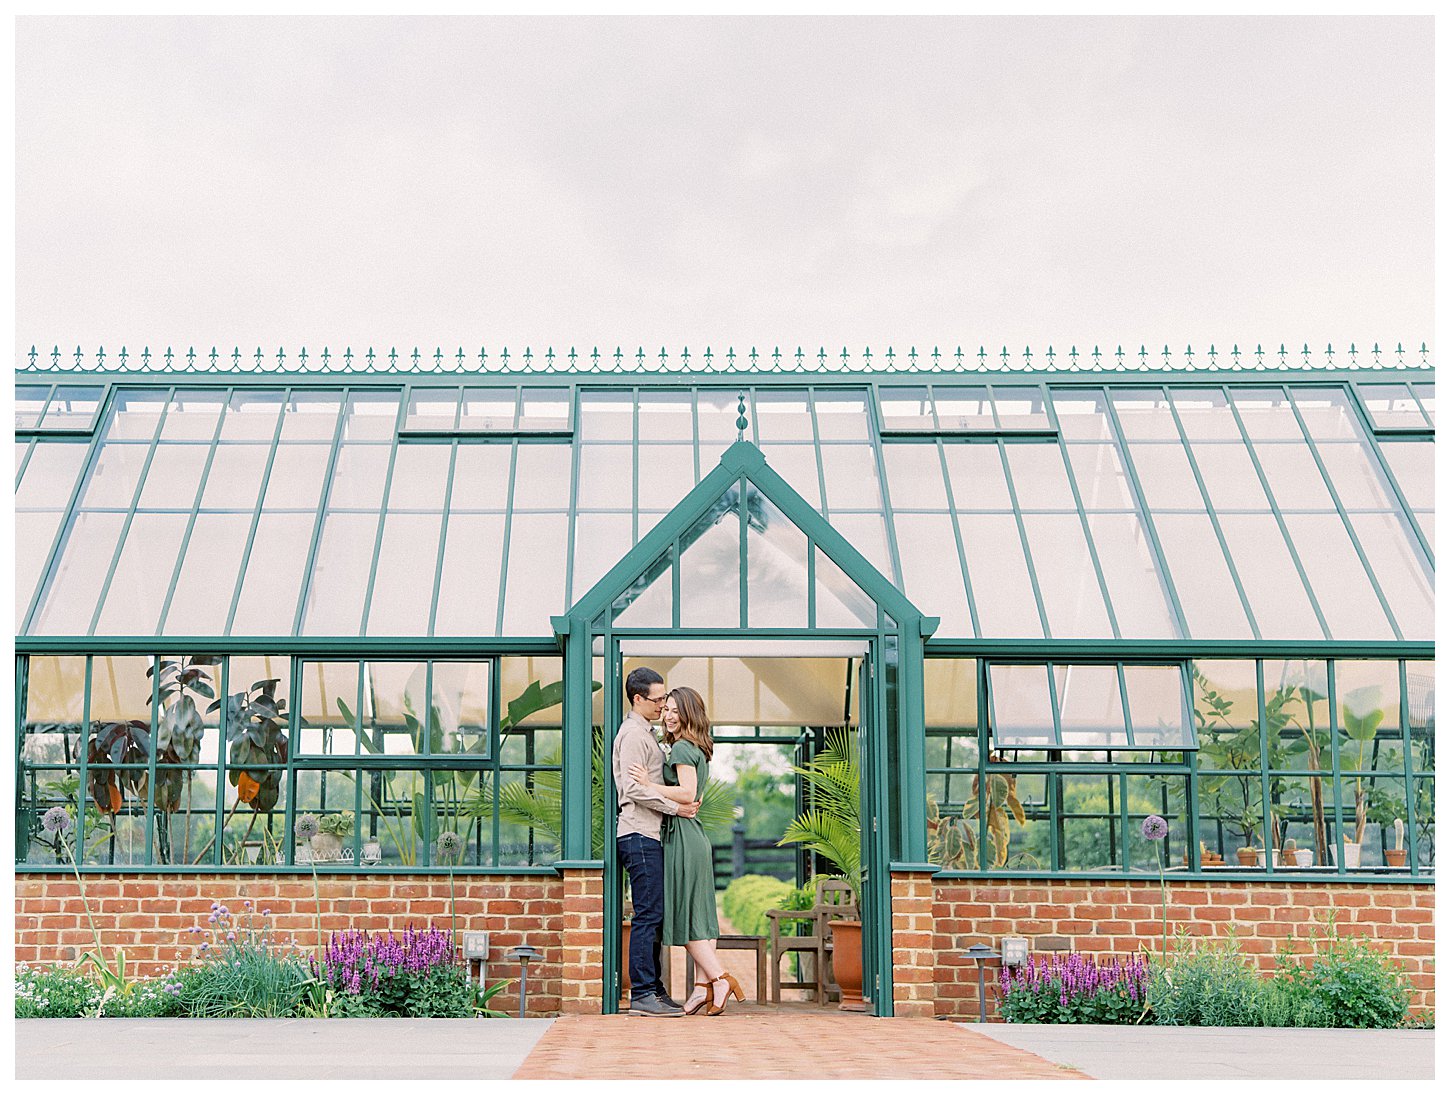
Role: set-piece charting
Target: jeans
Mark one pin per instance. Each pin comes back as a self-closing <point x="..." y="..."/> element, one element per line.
<point x="644" y="859"/>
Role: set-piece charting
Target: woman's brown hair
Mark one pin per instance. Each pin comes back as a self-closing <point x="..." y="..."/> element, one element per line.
<point x="694" y="722"/>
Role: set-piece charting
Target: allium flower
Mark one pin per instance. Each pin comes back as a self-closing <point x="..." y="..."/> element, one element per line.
<point x="449" y="845"/>
<point x="204" y="946"/>
<point x="307" y="826"/>
<point x="1154" y="827"/>
<point x="56" y="820"/>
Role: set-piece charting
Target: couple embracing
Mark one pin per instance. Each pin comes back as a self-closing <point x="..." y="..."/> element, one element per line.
<point x="663" y="846"/>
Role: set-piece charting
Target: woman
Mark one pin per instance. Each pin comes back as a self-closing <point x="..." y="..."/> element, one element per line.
<point x="690" y="919"/>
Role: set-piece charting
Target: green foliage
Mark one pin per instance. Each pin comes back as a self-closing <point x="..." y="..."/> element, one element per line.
<point x="54" y="992"/>
<point x="1074" y="988"/>
<point x="832" y="825"/>
<point x="1353" y="982"/>
<point x="1206" y="983"/>
<point x="244" y="982"/>
<point x="767" y="796"/>
<point x="338" y="824"/>
<point x="747" y="898"/>
<point x="256" y="720"/>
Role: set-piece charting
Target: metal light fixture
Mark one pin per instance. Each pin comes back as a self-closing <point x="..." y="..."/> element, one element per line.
<point x="979" y="953"/>
<point x="522" y="954"/>
<point x="1014" y="950"/>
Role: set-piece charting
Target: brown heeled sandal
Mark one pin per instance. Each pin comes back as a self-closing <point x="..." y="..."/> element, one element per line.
<point x="732" y="988"/>
<point x="708" y="998"/>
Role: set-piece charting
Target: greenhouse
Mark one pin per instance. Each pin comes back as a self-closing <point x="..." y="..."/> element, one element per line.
<point x="1045" y="599"/>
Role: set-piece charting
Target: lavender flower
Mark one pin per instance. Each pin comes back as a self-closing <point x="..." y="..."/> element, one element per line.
<point x="1154" y="827"/>
<point x="307" y="827"/>
<point x="56" y="820"/>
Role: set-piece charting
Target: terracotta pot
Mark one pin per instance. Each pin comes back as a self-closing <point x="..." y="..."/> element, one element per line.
<point x="1248" y="857"/>
<point x="1394" y="857"/>
<point x="846" y="959"/>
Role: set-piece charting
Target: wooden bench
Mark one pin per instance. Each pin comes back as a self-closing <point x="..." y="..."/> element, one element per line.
<point x="754" y="943"/>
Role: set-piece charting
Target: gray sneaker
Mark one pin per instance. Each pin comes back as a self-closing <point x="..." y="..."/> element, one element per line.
<point x="653" y="1005"/>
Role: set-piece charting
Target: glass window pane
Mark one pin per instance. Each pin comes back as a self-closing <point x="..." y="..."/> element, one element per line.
<point x="34" y="536"/>
<point x="1140" y="602"/>
<point x="796" y="464"/>
<point x="1039" y="477"/>
<point x="867" y="534"/>
<point x="1229" y="476"/>
<point x="914" y="477"/>
<point x="29" y="403"/>
<point x="842" y="416"/>
<point x="538" y="554"/>
<point x="1157" y="706"/>
<point x="50" y="476"/>
<point x="775" y="552"/>
<point x="1144" y="414"/>
<point x="340" y="574"/>
<point x="235" y="477"/>
<point x="1226" y="710"/>
<point x="544" y="409"/>
<point x="1357" y="478"/>
<point x="851" y="477"/>
<point x="115" y="471"/>
<point x="420" y="477"/>
<point x="1327" y="414"/>
<point x="1294" y="478"/>
<point x="1082" y="415"/>
<point x="1400" y="570"/>
<point x="606" y="476"/>
<point x="143" y="575"/>
<point x="1020" y="408"/>
<point x="1101" y="480"/>
<point x="310" y="416"/>
<point x="472" y="560"/>
<point x="481" y="477"/>
<point x="208" y="576"/>
<point x="489" y="409"/>
<point x="1205" y="414"/>
<point x="1413" y="464"/>
<point x="840" y="602"/>
<point x="666" y="416"/>
<point x="1267" y="414"/>
<point x="173" y="476"/>
<point x="964" y="408"/>
<point x="135" y="414"/>
<point x="432" y="409"/>
<point x="1391" y="406"/>
<point x="649" y="599"/>
<point x="718" y="410"/>
<point x="1001" y="587"/>
<point x="1368" y="716"/>
<point x="1066" y="576"/>
<point x="783" y="415"/>
<point x="192" y="415"/>
<point x="358" y="477"/>
<point x="329" y="709"/>
<point x="542" y="477"/>
<point x="978" y="480"/>
<point x="1426" y="394"/>
<point x="395" y="698"/>
<point x="1021" y="706"/>
<point x="667" y="474"/>
<point x="371" y="416"/>
<point x="1201" y="577"/>
<point x="927" y="545"/>
<point x="298" y="472"/>
<point x="1330" y="562"/>
<point x="268" y="601"/>
<point x="710" y="567"/>
<point x="609" y="416"/>
<point x="403" y="587"/>
<point x="904" y="408"/>
<point x="252" y="415"/>
<point x="84" y="561"/>
<point x="1270" y="580"/>
<point x="1090" y="706"/>
<point x="72" y="408"/>
<point x="1166" y="477"/>
<point x="600" y="541"/>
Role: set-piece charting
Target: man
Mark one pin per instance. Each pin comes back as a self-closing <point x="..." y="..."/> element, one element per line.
<point x="641" y="812"/>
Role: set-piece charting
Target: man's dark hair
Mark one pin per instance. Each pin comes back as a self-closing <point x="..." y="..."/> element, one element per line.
<point x="639" y="682"/>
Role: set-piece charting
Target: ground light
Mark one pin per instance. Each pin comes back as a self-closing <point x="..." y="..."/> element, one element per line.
<point x="522" y="955"/>
<point x="980" y="952"/>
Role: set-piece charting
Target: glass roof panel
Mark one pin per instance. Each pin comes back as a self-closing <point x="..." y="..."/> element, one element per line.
<point x="929" y="563"/>
<point x="797" y="465"/>
<point x="143" y="575"/>
<point x="251" y="415"/>
<point x="542" y="476"/>
<point x="1001" y="585"/>
<point x="192" y="415"/>
<point x="1101" y="480"/>
<point x="964" y="408"/>
<point x="1327" y="413"/>
<point x="75" y="583"/>
<point x="1357" y="476"/>
<point x="472" y="563"/>
<point x="420" y="477"/>
<point x="1144" y="414"/>
<point x="1293" y="476"/>
<point x="481" y="475"/>
<point x="174" y="476"/>
<point x="1392" y="407"/>
<point x="267" y="604"/>
<point x="978" y="480"/>
<point x="1400" y="569"/>
<point x="1270" y="580"/>
<point x="488" y="409"/>
<point x="606" y="477"/>
<point x="115" y="471"/>
<point x="1351" y="609"/>
<point x="906" y="408"/>
<point x="72" y="407"/>
<point x="914" y="477"/>
<point x="34" y="534"/>
<point x="407" y="563"/>
<point x="842" y="416"/>
<point x="1229" y="476"/>
<point x="1267" y="414"/>
<point x="852" y="482"/>
<point x="339" y="580"/>
<point x="666" y="416"/>
<point x="298" y="473"/>
<point x="1205" y="414"/>
<point x="135" y="414"/>
<point x="606" y="416"/>
<point x="235" y="478"/>
<point x="1165" y="476"/>
<point x="1066" y="576"/>
<point x="1139" y="598"/>
<point x="1039" y="477"/>
<point x="29" y="403"/>
<point x="783" y="415"/>
<point x="309" y="416"/>
<point x="371" y="416"/>
<point x="667" y="474"/>
<point x="50" y="476"/>
<point x="1413" y="464"/>
<point x="1082" y="415"/>
<point x="359" y="476"/>
<point x="534" y="589"/>
<point x="718" y="410"/>
<point x="544" y="409"/>
<point x="208" y="576"/>
<point x="432" y="409"/>
<point x="1426" y="393"/>
<point x="867" y="534"/>
<point x="1201" y="577"/>
<point x="776" y="565"/>
<point x="1020" y="408"/>
<point x="600" y="541"/>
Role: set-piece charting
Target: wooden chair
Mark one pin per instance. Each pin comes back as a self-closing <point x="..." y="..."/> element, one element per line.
<point x="834" y="901"/>
<point x="783" y="943"/>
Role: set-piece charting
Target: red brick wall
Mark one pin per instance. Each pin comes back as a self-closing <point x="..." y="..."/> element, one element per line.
<point x="149" y="917"/>
<point x="1122" y="917"/>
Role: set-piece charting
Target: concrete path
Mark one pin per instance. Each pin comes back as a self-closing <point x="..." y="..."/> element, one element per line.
<point x="275" y="1049"/>
<point x="1204" y="1053"/>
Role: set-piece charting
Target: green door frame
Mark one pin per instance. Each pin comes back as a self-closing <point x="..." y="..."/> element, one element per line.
<point x="894" y="730"/>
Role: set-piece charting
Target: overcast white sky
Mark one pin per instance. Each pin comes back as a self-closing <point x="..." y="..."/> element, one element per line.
<point x="572" y="181"/>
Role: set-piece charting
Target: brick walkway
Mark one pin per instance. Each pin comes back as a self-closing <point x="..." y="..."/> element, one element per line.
<point x="751" y="1043"/>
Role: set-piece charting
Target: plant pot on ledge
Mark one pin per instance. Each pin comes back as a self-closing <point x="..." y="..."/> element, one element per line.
<point x="846" y="959"/>
<point x="1394" y="857"/>
<point x="1248" y="857"/>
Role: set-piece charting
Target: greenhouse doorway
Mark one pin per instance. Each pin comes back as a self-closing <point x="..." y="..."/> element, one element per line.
<point x="791" y="700"/>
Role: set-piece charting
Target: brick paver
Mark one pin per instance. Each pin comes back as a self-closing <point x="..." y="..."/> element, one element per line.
<point x="751" y="1042"/>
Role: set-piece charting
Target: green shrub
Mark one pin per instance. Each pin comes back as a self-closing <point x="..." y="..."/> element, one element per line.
<point x="747" y="899"/>
<point x="154" y="998"/>
<point x="243" y="982"/>
<point x="54" y="992"/>
<point x="1206" y="984"/>
<point x="1350" y="984"/>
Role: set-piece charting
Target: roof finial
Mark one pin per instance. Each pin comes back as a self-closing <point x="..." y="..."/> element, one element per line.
<point x="741" y="422"/>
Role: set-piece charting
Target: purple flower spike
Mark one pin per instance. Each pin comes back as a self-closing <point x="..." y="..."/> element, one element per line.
<point x="1154" y="827"/>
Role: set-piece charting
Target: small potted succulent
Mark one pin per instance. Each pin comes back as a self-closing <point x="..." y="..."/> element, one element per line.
<point x="332" y="830"/>
<point x="1395" y="857"/>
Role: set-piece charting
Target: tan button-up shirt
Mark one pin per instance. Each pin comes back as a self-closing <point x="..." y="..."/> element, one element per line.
<point x="640" y="809"/>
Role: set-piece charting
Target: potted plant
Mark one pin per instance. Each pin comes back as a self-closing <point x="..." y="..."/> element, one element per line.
<point x="831" y="827"/>
<point x="332" y="831"/>
<point x="1395" y="857"/>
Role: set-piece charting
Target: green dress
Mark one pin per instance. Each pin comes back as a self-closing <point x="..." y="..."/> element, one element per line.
<point x="689" y="867"/>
